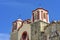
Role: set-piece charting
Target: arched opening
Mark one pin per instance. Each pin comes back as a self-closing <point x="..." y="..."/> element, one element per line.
<point x="24" y="35"/>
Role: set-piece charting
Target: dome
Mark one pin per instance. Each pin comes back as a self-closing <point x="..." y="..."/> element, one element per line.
<point x="19" y="19"/>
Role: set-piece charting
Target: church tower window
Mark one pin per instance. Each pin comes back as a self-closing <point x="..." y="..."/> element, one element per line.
<point x="44" y="15"/>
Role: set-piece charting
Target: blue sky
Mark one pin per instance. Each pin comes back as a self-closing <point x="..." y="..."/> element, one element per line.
<point x="10" y="10"/>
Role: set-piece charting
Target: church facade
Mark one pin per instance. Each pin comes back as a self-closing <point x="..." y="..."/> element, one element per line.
<point x="36" y="28"/>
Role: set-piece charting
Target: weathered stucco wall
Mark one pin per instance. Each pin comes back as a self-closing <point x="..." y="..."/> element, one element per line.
<point x="27" y="28"/>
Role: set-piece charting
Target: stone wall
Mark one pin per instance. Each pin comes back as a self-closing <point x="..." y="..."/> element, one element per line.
<point x="53" y="31"/>
<point x="14" y="36"/>
<point x="35" y="27"/>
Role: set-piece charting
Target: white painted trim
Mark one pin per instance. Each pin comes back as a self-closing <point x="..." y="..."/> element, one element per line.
<point x="48" y="18"/>
<point x="44" y="20"/>
<point x="40" y="14"/>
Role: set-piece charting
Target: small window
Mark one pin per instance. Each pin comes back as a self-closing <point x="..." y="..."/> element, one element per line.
<point x="37" y="14"/>
<point x="44" y="15"/>
<point x="37" y="11"/>
<point x="41" y="11"/>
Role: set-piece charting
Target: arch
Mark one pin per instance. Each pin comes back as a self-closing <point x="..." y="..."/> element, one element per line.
<point x="24" y="36"/>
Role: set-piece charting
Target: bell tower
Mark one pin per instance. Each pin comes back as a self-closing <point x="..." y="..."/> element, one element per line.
<point x="40" y="14"/>
<point x="40" y="19"/>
